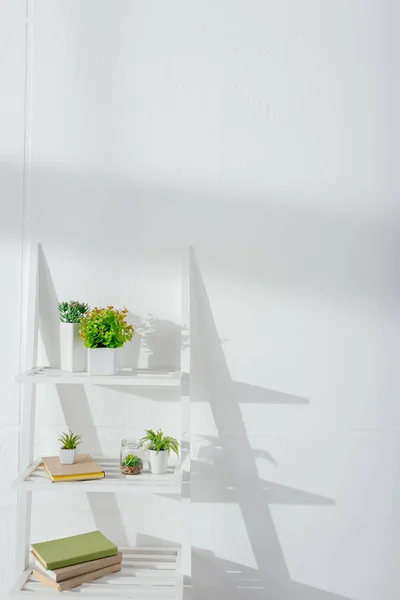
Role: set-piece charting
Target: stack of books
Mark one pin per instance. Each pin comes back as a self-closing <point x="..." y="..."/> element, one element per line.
<point x="65" y="563"/>
<point x="84" y="468"/>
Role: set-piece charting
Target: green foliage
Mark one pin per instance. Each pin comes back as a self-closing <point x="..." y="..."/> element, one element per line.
<point x="105" y="328"/>
<point x="72" y="312"/>
<point x="158" y="442"/>
<point x="69" y="441"/>
<point x="132" y="461"/>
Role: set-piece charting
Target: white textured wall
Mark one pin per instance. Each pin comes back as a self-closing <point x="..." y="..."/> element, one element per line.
<point x="265" y="134"/>
<point x="12" y="66"/>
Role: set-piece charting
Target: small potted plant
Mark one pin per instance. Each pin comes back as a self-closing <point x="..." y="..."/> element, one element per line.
<point x="73" y="352"/>
<point x="103" y="330"/>
<point x="131" y="465"/>
<point x="69" y="443"/>
<point x="159" y="447"/>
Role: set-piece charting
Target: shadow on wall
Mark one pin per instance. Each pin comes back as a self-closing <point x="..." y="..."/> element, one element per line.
<point x="215" y="476"/>
<point x="160" y="339"/>
<point x="219" y="479"/>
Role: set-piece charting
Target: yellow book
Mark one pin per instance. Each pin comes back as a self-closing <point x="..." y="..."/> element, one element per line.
<point x="84" y="468"/>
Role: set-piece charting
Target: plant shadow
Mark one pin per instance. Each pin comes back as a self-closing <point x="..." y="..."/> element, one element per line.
<point x="226" y="472"/>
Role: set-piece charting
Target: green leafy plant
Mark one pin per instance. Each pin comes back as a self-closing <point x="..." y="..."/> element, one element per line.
<point x="105" y="328"/>
<point x="157" y="441"/>
<point x="132" y="461"/>
<point x="69" y="441"/>
<point x="72" y="312"/>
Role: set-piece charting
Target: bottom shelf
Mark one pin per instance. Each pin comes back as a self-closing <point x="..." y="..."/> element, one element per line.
<point x="147" y="572"/>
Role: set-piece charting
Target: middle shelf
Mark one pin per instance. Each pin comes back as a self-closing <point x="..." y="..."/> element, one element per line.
<point x="35" y="479"/>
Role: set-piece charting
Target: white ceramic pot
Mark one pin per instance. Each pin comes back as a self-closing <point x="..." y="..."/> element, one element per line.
<point x="67" y="457"/>
<point x="101" y="361"/>
<point x="158" y="461"/>
<point x="73" y="351"/>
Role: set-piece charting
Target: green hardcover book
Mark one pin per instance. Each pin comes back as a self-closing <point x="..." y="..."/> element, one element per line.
<point x="73" y="550"/>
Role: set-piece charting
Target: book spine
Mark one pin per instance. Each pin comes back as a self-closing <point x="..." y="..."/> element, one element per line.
<point x="36" y="574"/>
<point x="69" y="584"/>
<point x="83" y="568"/>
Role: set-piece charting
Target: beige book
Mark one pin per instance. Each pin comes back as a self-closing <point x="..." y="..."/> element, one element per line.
<point x="64" y="573"/>
<point x="84" y="468"/>
<point x="69" y="584"/>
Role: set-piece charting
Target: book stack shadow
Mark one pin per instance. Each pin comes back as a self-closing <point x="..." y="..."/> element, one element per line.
<point x="66" y="563"/>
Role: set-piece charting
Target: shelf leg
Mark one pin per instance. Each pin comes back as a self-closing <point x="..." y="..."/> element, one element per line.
<point x="29" y="347"/>
<point x="24" y="512"/>
<point x="26" y="449"/>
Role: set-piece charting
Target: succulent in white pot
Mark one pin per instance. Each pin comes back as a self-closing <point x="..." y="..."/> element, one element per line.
<point x="73" y="351"/>
<point x="103" y="330"/>
<point x="158" y="447"/>
<point x="69" y="443"/>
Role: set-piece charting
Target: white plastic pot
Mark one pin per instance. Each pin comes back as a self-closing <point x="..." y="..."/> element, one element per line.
<point x="73" y="351"/>
<point x="101" y="361"/>
<point x="158" y="461"/>
<point x="67" y="457"/>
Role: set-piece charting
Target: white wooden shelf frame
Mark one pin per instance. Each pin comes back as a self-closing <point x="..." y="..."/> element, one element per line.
<point x="144" y="573"/>
<point x="35" y="479"/>
<point x="138" y="377"/>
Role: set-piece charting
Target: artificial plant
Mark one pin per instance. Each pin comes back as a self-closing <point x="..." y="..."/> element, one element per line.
<point x="105" y="328"/>
<point x="158" y="442"/>
<point x="72" y="312"/>
<point x="69" y="441"/>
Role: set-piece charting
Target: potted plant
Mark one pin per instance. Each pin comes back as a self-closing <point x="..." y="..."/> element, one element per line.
<point x="131" y="465"/>
<point x="73" y="352"/>
<point x="69" y="443"/>
<point x="159" y="447"/>
<point x="103" y="330"/>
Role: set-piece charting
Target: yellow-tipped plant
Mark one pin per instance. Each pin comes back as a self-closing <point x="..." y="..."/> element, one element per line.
<point x="106" y="328"/>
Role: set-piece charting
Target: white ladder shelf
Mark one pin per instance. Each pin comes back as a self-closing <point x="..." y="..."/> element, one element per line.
<point x="147" y="572"/>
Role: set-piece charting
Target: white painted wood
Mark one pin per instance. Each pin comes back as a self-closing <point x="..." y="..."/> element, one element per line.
<point x="29" y="340"/>
<point x="137" y="377"/>
<point x="154" y="573"/>
<point x="35" y="479"/>
<point x="147" y="572"/>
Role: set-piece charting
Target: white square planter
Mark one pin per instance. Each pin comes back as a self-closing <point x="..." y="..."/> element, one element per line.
<point x="158" y="461"/>
<point x="73" y="351"/>
<point x="101" y="361"/>
<point x="67" y="457"/>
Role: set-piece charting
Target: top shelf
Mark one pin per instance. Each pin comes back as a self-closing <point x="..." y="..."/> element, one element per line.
<point x="133" y="377"/>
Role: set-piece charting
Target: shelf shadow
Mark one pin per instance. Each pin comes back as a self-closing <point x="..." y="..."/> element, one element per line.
<point x="75" y="404"/>
<point x="211" y="485"/>
<point x="229" y="473"/>
<point x="217" y="579"/>
<point x="244" y="393"/>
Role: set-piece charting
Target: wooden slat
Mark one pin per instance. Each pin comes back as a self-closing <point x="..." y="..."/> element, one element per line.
<point x="35" y="478"/>
<point x="138" y="377"/>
